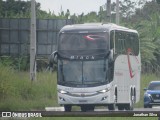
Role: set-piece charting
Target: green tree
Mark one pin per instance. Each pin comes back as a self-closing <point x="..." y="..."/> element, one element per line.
<point x="1" y="11"/>
<point x="75" y="18"/>
<point x="17" y="9"/>
<point x="147" y="21"/>
<point x="67" y="15"/>
<point x="101" y="14"/>
<point x="127" y="8"/>
<point x="81" y="18"/>
<point x="158" y="1"/>
<point x="91" y="17"/>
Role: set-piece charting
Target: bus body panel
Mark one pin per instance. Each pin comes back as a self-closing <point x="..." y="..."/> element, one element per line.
<point x="123" y="79"/>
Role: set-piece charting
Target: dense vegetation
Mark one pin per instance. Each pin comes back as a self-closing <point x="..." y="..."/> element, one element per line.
<point x="140" y="15"/>
<point x="17" y="92"/>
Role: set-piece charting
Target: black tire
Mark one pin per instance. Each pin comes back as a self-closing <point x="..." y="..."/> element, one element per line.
<point x="150" y="106"/>
<point x="120" y="107"/>
<point x="145" y="106"/>
<point x="116" y="96"/>
<point x="130" y="106"/>
<point x="67" y="108"/>
<point x="83" y="109"/>
<point x="92" y="108"/>
<point x="111" y="107"/>
<point x="134" y="95"/>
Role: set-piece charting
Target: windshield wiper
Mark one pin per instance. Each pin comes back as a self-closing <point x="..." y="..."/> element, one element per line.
<point x="77" y="82"/>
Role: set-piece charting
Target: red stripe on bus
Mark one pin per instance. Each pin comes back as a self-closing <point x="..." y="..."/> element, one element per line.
<point x="129" y="63"/>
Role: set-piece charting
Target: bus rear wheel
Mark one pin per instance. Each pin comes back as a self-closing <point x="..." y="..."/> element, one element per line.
<point x="121" y="107"/>
<point x="130" y="106"/>
<point x="111" y="106"/>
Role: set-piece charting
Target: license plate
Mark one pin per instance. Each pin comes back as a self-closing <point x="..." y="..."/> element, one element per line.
<point x="156" y="100"/>
<point x="82" y="101"/>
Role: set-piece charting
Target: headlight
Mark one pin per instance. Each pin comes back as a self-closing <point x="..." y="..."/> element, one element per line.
<point x="146" y="94"/>
<point x="62" y="91"/>
<point x="103" y="91"/>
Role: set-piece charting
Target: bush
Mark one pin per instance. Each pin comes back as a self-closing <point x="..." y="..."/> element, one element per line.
<point x="22" y="63"/>
<point x="18" y="92"/>
<point x="5" y="84"/>
<point x="19" y="63"/>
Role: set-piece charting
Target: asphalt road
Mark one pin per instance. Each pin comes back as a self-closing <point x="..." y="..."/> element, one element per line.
<point x="142" y="112"/>
<point x="156" y="108"/>
<point x="136" y="109"/>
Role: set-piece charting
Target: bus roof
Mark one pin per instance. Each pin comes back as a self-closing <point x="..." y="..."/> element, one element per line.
<point x="94" y="27"/>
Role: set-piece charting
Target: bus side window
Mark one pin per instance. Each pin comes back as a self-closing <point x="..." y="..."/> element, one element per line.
<point x="120" y="42"/>
<point x="135" y="43"/>
<point x="132" y="43"/>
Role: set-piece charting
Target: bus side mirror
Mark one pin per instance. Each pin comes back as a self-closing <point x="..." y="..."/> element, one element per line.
<point x="52" y="60"/>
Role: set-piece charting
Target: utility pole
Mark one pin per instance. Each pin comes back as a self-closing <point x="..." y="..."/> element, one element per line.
<point x="33" y="42"/>
<point x="117" y="12"/>
<point x="108" y="9"/>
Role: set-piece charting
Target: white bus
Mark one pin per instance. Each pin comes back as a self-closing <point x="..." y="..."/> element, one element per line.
<point x="98" y="65"/>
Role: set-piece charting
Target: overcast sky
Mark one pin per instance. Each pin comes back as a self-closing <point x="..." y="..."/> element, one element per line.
<point x="75" y="6"/>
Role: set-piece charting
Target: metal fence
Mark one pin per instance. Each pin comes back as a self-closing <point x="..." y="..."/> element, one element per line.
<point x="15" y="36"/>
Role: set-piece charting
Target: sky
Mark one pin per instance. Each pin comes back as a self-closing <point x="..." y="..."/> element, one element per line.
<point x="75" y="6"/>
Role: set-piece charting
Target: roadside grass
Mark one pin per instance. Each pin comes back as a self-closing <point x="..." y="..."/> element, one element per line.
<point x="18" y="92"/>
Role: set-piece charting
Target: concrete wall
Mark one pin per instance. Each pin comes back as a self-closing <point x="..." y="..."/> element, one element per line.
<point x="15" y="36"/>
